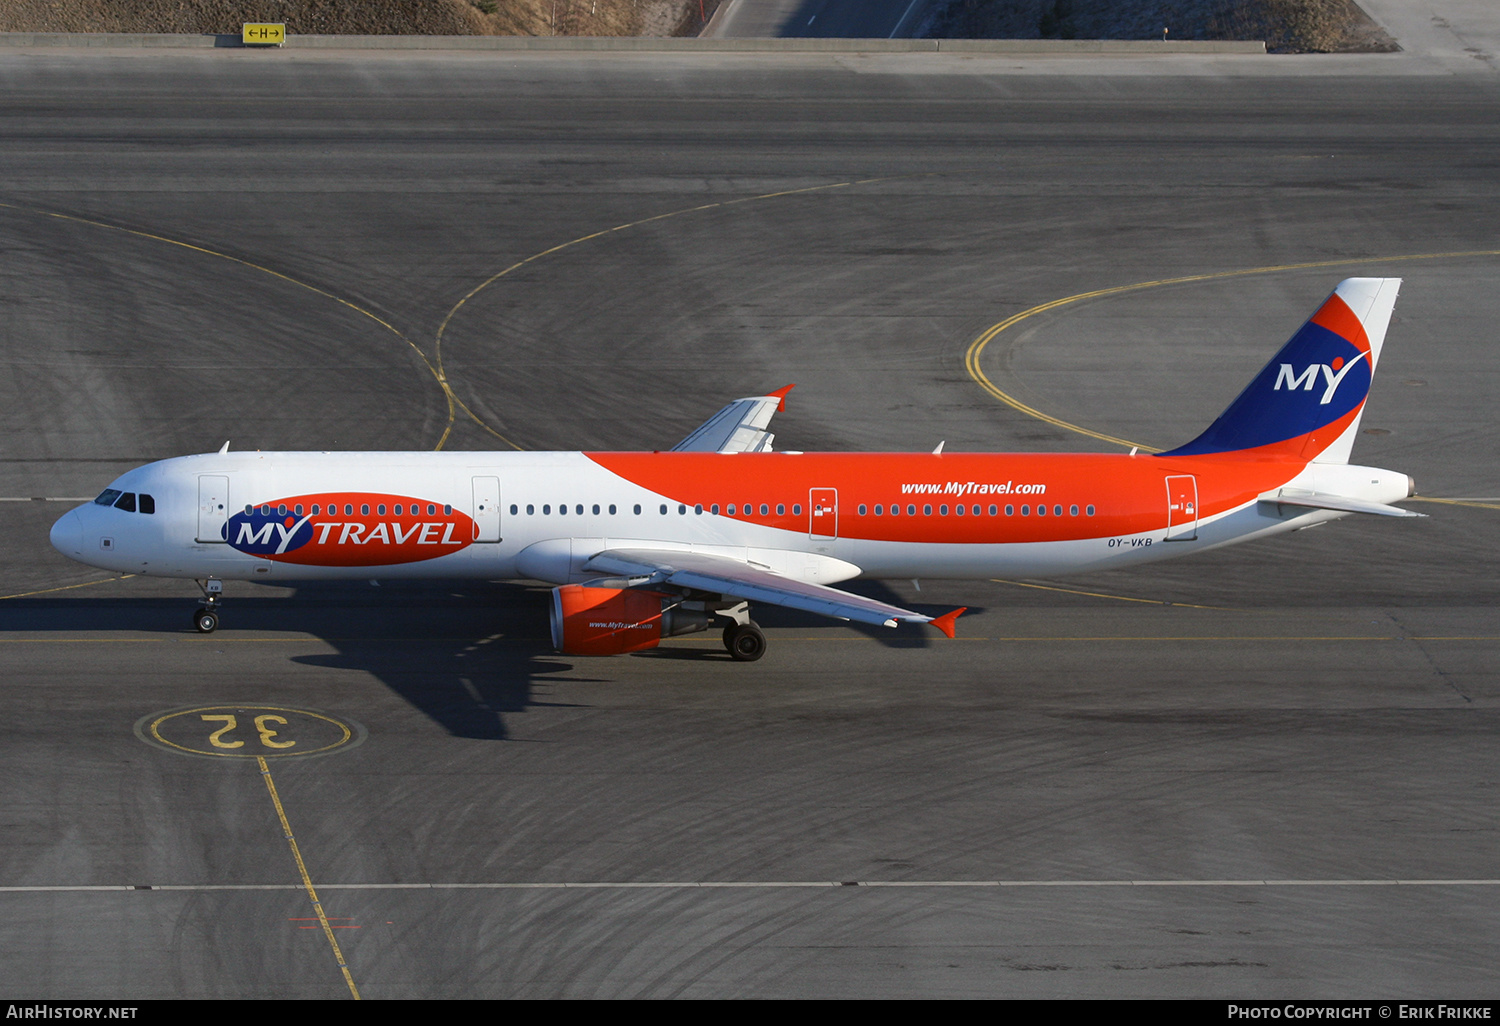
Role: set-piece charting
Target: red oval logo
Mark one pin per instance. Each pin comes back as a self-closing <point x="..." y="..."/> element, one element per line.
<point x="350" y="529"/>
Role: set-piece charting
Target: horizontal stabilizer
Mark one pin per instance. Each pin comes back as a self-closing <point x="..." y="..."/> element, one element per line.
<point x="1342" y="503"/>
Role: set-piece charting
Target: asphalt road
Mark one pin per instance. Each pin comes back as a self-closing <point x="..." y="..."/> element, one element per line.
<point x="1203" y="779"/>
<point x="835" y="19"/>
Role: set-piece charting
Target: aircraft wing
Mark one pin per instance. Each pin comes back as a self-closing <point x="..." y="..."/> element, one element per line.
<point x="738" y="427"/>
<point x="725" y="576"/>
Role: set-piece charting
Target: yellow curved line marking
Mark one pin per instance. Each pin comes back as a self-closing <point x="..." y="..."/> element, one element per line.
<point x="307" y="884"/>
<point x="437" y="349"/>
<point x="976" y="349"/>
<point x="65" y="587"/>
<point x="264" y="270"/>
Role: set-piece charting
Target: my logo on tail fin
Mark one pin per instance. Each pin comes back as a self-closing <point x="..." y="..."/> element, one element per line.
<point x="1331" y="353"/>
<point x="1333" y="374"/>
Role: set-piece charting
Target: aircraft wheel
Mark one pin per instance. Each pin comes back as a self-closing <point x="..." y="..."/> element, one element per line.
<point x="745" y="642"/>
<point x="206" y="621"/>
<point x="729" y="633"/>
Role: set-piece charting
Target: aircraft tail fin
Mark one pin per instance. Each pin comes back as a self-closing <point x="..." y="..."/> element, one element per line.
<point x="1308" y="400"/>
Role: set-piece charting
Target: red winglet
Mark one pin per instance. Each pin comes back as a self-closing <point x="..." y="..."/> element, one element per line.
<point x="780" y="393"/>
<point x="944" y="623"/>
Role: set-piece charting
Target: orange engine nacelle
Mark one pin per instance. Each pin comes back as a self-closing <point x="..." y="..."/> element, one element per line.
<point x="611" y="621"/>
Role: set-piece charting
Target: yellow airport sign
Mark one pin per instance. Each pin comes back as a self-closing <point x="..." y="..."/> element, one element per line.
<point x="263" y="34"/>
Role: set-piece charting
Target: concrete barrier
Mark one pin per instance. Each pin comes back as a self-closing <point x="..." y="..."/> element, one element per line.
<point x="645" y="44"/>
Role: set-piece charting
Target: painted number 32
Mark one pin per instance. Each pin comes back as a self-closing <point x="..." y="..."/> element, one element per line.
<point x="262" y="726"/>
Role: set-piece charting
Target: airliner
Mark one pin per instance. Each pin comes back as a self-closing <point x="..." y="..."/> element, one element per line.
<point x="642" y="546"/>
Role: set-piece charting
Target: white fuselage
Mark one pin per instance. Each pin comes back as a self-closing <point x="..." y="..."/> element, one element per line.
<point x="542" y="515"/>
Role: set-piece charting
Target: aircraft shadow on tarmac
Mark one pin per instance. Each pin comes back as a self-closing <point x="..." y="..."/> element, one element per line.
<point x="464" y="655"/>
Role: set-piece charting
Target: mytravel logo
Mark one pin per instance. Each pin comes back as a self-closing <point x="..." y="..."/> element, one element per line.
<point x="349" y="529"/>
<point x="1333" y="375"/>
<point x="974" y="488"/>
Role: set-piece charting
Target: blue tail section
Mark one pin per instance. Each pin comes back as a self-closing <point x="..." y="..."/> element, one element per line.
<point x="1308" y="400"/>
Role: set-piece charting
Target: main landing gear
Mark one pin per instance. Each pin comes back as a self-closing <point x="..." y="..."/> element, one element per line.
<point x="745" y="641"/>
<point x="206" y="617"/>
<point x="743" y="638"/>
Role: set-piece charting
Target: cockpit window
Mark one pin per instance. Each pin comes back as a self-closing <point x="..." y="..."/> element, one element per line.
<point x="126" y="502"/>
<point x="108" y="497"/>
<point x="148" y="504"/>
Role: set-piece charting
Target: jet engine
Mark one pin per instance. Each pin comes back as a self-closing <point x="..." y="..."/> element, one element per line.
<point x="609" y="621"/>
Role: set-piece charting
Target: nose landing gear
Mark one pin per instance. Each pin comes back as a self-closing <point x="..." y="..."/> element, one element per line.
<point x="206" y="617"/>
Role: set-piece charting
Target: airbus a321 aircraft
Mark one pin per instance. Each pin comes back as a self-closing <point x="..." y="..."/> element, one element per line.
<point x="647" y="545"/>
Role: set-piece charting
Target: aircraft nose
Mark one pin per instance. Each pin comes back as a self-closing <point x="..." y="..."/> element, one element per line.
<point x="67" y="534"/>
